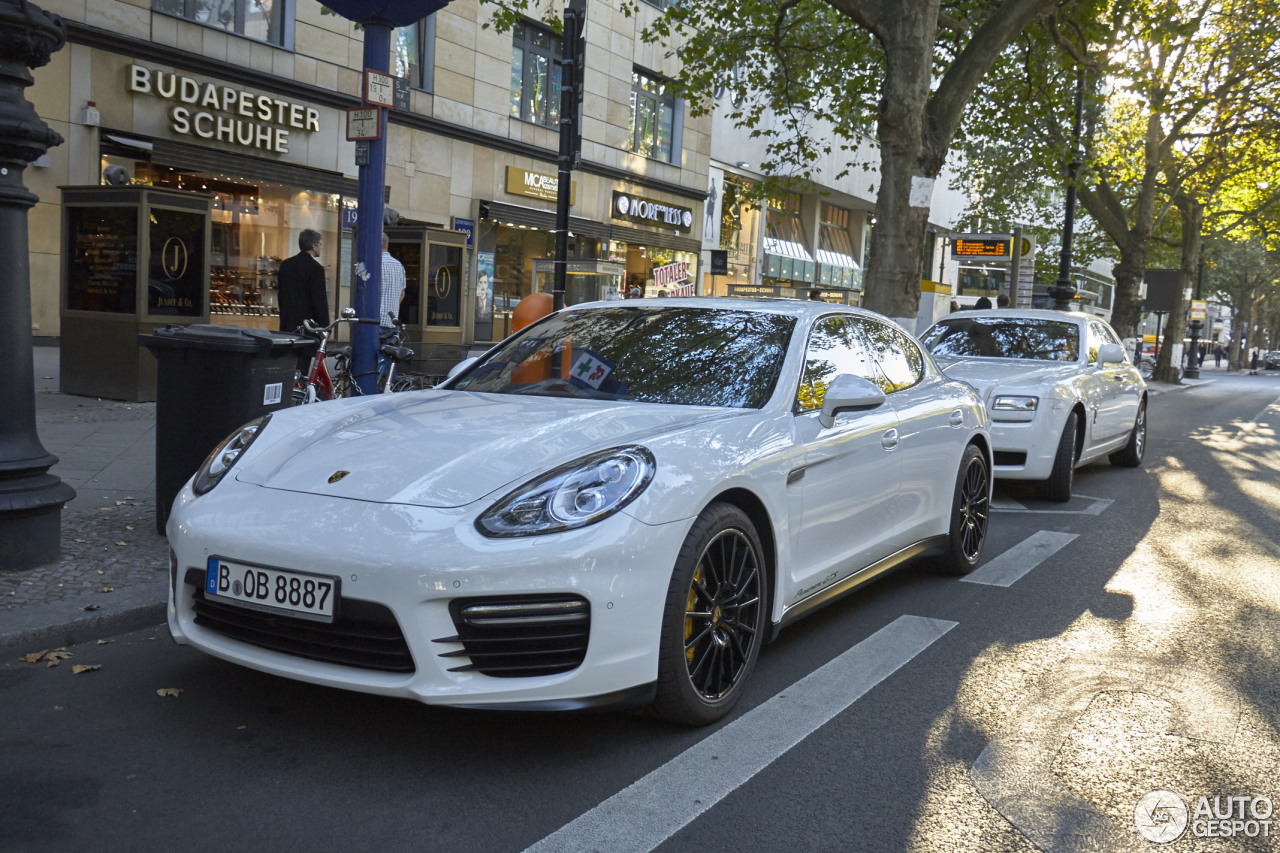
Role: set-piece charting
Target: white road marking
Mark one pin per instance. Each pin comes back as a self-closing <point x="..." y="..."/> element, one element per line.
<point x="651" y="810"/>
<point x="1094" y="508"/>
<point x="1007" y="568"/>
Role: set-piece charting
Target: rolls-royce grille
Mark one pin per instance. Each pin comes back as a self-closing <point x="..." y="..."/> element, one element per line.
<point x="364" y="634"/>
<point x="519" y="636"/>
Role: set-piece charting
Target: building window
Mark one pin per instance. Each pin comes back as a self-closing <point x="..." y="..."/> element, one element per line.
<point x="415" y="52"/>
<point x="661" y="4"/>
<point x="256" y="19"/>
<point x="653" y="110"/>
<point x="535" y="74"/>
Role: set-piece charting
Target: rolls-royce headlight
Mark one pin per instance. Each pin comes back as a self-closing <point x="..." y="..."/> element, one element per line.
<point x="1015" y="403"/>
<point x="219" y="462"/>
<point x="582" y="492"/>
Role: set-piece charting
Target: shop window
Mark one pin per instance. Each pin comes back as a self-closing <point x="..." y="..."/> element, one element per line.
<point x="785" y="232"/>
<point x="535" y="74"/>
<point x="653" y="110"/>
<point x="415" y="52"/>
<point x="256" y="19"/>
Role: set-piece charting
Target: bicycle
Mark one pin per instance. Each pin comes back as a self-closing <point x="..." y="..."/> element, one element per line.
<point x="320" y="384"/>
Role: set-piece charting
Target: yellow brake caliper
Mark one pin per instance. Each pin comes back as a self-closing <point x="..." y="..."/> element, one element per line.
<point x="688" y="620"/>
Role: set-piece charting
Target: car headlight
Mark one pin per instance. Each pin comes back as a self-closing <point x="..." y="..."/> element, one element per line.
<point x="219" y="462"/>
<point x="574" y="495"/>
<point x="1014" y="403"/>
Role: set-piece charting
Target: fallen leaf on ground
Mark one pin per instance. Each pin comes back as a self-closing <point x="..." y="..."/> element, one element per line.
<point x="35" y="657"/>
<point x="169" y="691"/>
<point x="103" y="642"/>
<point x="82" y="667"/>
<point x="101" y="572"/>
<point x="128" y="527"/>
<point x="90" y="607"/>
<point x="78" y="540"/>
<point x="56" y="657"/>
<point x="108" y="589"/>
<point x="122" y="543"/>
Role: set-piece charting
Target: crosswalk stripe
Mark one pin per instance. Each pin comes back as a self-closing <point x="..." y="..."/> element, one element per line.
<point x="1008" y="567"/>
<point x="644" y="815"/>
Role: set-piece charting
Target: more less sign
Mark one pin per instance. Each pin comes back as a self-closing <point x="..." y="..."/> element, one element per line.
<point x="224" y="113"/>
<point x="656" y="213"/>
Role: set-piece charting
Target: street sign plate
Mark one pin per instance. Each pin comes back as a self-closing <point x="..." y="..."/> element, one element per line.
<point x="364" y="123"/>
<point x="379" y="88"/>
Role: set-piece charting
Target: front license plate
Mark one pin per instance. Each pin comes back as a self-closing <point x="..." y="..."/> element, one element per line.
<point x="278" y="590"/>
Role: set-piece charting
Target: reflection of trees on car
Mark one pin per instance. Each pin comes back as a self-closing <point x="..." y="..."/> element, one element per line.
<point x="991" y="337"/>
<point x="682" y="356"/>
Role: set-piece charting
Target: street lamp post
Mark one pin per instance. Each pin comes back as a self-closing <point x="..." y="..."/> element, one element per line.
<point x="31" y="498"/>
<point x="1064" y="290"/>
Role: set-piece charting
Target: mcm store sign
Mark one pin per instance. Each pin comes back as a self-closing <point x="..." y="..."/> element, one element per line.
<point x="223" y="113"/>
<point x="647" y="212"/>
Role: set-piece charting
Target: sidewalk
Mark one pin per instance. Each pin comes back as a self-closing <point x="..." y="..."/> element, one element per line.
<point x="113" y="572"/>
<point x="114" y="568"/>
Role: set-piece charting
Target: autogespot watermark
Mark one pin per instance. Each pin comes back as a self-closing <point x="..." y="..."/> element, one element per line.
<point x="1164" y="817"/>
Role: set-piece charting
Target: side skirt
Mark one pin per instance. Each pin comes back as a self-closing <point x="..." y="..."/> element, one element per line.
<point x="932" y="546"/>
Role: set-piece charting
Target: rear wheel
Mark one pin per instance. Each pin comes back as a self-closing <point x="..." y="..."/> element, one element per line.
<point x="714" y="620"/>
<point x="1130" y="456"/>
<point x="1058" y="486"/>
<point x="970" y="510"/>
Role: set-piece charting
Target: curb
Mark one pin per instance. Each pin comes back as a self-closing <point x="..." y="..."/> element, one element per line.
<point x="65" y="623"/>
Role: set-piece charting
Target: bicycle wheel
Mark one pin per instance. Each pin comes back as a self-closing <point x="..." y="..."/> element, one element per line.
<point x="343" y="383"/>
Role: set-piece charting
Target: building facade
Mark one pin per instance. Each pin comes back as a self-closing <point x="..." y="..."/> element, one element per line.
<point x="244" y="104"/>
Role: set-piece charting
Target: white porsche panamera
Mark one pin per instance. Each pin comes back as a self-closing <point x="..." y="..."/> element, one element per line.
<point x="615" y="506"/>
<point x="1059" y="388"/>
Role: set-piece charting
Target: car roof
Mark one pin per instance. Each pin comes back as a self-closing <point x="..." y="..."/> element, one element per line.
<point x="800" y="308"/>
<point x="1024" y="313"/>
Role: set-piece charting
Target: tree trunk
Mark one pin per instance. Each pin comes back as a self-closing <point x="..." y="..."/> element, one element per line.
<point x="892" y="285"/>
<point x="1192" y="212"/>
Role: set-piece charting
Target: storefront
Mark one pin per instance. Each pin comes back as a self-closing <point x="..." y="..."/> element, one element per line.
<point x="649" y="238"/>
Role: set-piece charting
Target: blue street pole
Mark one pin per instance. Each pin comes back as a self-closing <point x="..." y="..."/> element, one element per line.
<point x="367" y="285"/>
<point x="377" y="17"/>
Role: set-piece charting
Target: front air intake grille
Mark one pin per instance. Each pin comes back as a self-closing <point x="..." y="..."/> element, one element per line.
<point x="520" y="636"/>
<point x="364" y="634"/>
<point x="1009" y="457"/>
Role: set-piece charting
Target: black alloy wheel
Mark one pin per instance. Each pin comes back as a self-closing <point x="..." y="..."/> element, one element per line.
<point x="714" y="619"/>
<point x="970" y="513"/>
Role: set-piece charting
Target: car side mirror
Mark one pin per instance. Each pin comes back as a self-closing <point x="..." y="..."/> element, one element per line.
<point x="847" y="392"/>
<point x="1110" y="354"/>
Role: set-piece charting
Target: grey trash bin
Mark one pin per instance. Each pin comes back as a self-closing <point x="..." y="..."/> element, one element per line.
<point x="210" y="380"/>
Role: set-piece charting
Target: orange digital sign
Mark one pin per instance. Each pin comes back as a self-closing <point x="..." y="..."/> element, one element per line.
<point x="963" y="247"/>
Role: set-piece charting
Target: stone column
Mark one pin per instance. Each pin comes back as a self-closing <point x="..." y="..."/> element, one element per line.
<point x="31" y="498"/>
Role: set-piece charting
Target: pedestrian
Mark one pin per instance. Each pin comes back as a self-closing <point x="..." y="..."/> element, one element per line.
<point x="302" y="293"/>
<point x="955" y="306"/>
<point x="1253" y="363"/>
<point x="1002" y="301"/>
<point x="1217" y="355"/>
<point x="393" y="284"/>
<point x="982" y="304"/>
<point x="815" y="295"/>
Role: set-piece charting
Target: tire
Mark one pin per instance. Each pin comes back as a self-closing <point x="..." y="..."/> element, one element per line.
<point x="714" y="619"/>
<point x="1130" y="456"/>
<point x="970" y="512"/>
<point x="1058" y="486"/>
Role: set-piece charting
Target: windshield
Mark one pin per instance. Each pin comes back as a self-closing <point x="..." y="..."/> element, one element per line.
<point x="686" y="356"/>
<point x="1004" y="337"/>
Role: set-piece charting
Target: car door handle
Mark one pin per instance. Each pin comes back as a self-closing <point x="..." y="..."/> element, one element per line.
<point x="890" y="439"/>
<point x="957" y="418"/>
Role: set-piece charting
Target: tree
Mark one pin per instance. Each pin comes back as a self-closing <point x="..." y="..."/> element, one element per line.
<point x="907" y="69"/>
<point x="1244" y="274"/>
<point x="1168" y="81"/>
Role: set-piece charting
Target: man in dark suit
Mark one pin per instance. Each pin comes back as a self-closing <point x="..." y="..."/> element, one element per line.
<point x="302" y="294"/>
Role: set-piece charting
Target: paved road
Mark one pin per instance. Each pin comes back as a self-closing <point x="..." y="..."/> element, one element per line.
<point x="1121" y="644"/>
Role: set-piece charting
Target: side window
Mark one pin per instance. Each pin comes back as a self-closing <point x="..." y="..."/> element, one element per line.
<point x="834" y="347"/>
<point x="897" y="354"/>
<point x="1096" y="337"/>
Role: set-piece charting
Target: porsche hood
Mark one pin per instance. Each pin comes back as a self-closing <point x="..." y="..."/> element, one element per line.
<point x="446" y="448"/>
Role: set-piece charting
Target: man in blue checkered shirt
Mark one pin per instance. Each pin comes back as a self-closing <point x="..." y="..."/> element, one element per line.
<point x="393" y="284"/>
